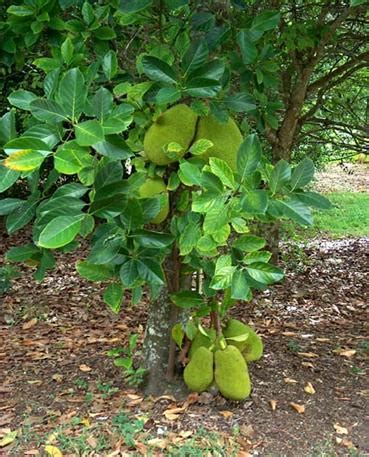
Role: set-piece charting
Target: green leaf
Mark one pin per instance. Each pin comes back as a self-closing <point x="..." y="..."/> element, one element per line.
<point x="189" y="174"/>
<point x="195" y="56"/>
<point x="296" y="210"/>
<point x="224" y="172"/>
<point x="72" y="93"/>
<point x="222" y="278"/>
<point x="257" y="256"/>
<point x="7" y="128"/>
<point x="168" y="95"/>
<point x="22" y="253"/>
<point x="265" y="21"/>
<point x="248" y="49"/>
<point x="150" y="271"/>
<point x="72" y="189"/>
<point x="94" y="272"/>
<point x="67" y="50"/>
<point x="7" y="205"/>
<point x="89" y="133"/>
<point x="133" y="6"/>
<point x="154" y="240"/>
<point x="129" y="272"/>
<point x="60" y="231"/>
<point x="302" y="174"/>
<point x="215" y="220"/>
<point x="22" y="99"/>
<point x="47" y="111"/>
<point x="240" y="103"/>
<point x="188" y="238"/>
<point x="70" y="158"/>
<point x="187" y="299"/>
<point x="255" y="202"/>
<point x="178" y="334"/>
<point x="249" y="243"/>
<point x="7" y="177"/>
<point x="211" y="183"/>
<point x="110" y="64"/>
<point x="200" y="146"/>
<point x="264" y="272"/>
<point x="158" y="70"/>
<point x="357" y="2"/>
<point x="105" y="33"/>
<point x="248" y="157"/>
<point x="203" y="87"/>
<point x="281" y="175"/>
<point x="21" y="216"/>
<point x="113" y="296"/>
<point x="313" y="199"/>
<point x="240" y="289"/>
<point x="21" y="10"/>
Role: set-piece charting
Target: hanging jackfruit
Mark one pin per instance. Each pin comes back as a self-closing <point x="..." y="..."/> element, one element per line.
<point x="178" y="125"/>
<point x="225" y="136"/>
<point x="152" y="187"/>
<point x="252" y="347"/>
<point x="199" y="373"/>
<point x="231" y="374"/>
<point x="201" y="340"/>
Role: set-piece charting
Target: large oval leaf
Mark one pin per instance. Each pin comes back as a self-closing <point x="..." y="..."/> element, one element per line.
<point x="60" y="231"/>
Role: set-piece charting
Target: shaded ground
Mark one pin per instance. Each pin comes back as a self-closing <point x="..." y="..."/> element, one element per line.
<point x="55" y="372"/>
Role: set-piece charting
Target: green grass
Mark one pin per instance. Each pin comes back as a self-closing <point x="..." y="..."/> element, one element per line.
<point x="348" y="218"/>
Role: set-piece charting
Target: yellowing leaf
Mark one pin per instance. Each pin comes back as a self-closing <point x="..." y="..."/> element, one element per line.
<point x="299" y="408"/>
<point x="53" y="451"/>
<point x="86" y="422"/>
<point x="24" y="160"/>
<point x="340" y="430"/>
<point x="309" y="388"/>
<point x="8" y="438"/>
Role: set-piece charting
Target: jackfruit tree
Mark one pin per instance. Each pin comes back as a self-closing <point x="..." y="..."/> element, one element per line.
<point x="155" y="156"/>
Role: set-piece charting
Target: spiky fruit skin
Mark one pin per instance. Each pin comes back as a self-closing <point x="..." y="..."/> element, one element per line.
<point x="152" y="187"/>
<point x="201" y="340"/>
<point x="252" y="347"/>
<point x="177" y="124"/>
<point x="199" y="373"/>
<point x="231" y="374"/>
<point x="225" y="136"/>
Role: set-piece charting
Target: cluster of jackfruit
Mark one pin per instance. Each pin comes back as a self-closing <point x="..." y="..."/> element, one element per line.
<point x="181" y="125"/>
<point x="224" y="365"/>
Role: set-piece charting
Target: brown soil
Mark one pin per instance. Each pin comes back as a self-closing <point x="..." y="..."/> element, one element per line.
<point x="55" y="335"/>
<point x="348" y="177"/>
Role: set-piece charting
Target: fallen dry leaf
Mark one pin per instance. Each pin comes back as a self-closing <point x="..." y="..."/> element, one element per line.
<point x="299" y="408"/>
<point x="309" y="388"/>
<point x="173" y="413"/>
<point x="340" y="430"/>
<point x="8" y="438"/>
<point x="185" y="434"/>
<point x="57" y="377"/>
<point x="226" y="414"/>
<point x="161" y="443"/>
<point x="27" y="325"/>
<point x="309" y="355"/>
<point x="85" y="368"/>
<point x="345" y="352"/>
<point x="273" y="404"/>
<point x="290" y="381"/>
<point x="307" y="364"/>
<point x="247" y="430"/>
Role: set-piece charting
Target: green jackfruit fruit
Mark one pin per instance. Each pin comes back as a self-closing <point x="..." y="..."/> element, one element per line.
<point x="152" y="187"/>
<point x="177" y="124"/>
<point x="231" y="374"/>
<point x="199" y="373"/>
<point x="225" y="136"/>
<point x="201" y="340"/>
<point x="252" y="347"/>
